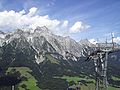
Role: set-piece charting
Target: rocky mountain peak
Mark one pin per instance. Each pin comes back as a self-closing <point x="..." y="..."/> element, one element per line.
<point x="43" y="29"/>
<point x="42" y="39"/>
<point x="86" y="42"/>
<point x="19" y="31"/>
<point x="1" y="32"/>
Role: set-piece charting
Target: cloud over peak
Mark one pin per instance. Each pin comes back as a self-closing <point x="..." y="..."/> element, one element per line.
<point x="78" y="27"/>
<point x="32" y="11"/>
<point x="11" y="20"/>
<point x="116" y="40"/>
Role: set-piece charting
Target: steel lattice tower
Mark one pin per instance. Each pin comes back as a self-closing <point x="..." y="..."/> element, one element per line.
<point x="100" y="57"/>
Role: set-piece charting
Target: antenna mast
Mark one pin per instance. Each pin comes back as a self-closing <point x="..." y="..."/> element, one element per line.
<point x="100" y="57"/>
<point x="112" y="34"/>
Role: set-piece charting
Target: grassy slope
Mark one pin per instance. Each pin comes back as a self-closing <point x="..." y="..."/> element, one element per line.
<point x="112" y="88"/>
<point x="51" y="59"/>
<point x="75" y="79"/>
<point x="89" y="86"/>
<point x="31" y="82"/>
<point x="115" y="78"/>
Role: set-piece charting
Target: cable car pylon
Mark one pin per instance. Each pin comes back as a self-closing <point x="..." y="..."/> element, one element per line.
<point x="100" y="58"/>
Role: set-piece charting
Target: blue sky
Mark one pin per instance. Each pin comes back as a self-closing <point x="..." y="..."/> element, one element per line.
<point x="98" y="17"/>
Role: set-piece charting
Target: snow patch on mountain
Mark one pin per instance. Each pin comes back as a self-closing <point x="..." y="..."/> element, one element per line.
<point x="43" y="40"/>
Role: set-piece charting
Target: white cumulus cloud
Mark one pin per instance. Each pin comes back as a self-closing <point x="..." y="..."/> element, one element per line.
<point x="11" y="20"/>
<point x="65" y="23"/>
<point x="78" y="27"/>
<point x="32" y="11"/>
<point x="116" y="40"/>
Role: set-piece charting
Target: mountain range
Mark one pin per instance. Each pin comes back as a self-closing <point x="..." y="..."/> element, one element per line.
<point x="51" y="57"/>
<point x="43" y="40"/>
